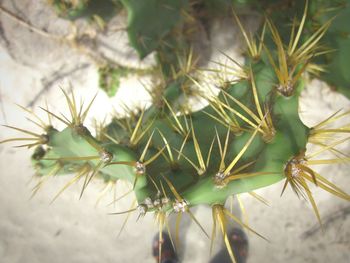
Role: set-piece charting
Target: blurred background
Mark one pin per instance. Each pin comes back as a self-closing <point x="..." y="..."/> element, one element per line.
<point x="37" y="58"/>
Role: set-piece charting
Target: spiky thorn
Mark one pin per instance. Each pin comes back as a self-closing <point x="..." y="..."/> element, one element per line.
<point x="132" y="114"/>
<point x="261" y="121"/>
<point x="133" y="208"/>
<point x="220" y="214"/>
<point x="298" y="174"/>
<point x="210" y="151"/>
<point x="166" y="200"/>
<point x="224" y="118"/>
<point x="331" y="148"/>
<point x="78" y="115"/>
<point x="104" y="158"/>
<point x="99" y="127"/>
<point x="264" y="117"/>
<point x="180" y="206"/>
<point x="84" y="170"/>
<point x="38" y="121"/>
<point x="187" y="64"/>
<point x="156" y="88"/>
<point x="223" y="150"/>
<point x="196" y="167"/>
<point x="259" y="198"/>
<point x="321" y="134"/>
<point x="116" y="199"/>
<point x="123" y="123"/>
<point x="140" y="165"/>
<point x="160" y="219"/>
<point x="182" y="146"/>
<point x="36" y="139"/>
<point x="225" y="105"/>
<point x="325" y="135"/>
<point x="294" y="61"/>
<point x="316" y="69"/>
<point x="227" y="174"/>
<point x="112" y="139"/>
<point x="254" y="49"/>
<point x="309" y="49"/>
<point x="170" y="158"/>
<point x="54" y="171"/>
<point x="177" y="126"/>
<point x="242" y="208"/>
<point x="181" y="154"/>
<point x="285" y="75"/>
<point x="201" y="168"/>
<point x="137" y="134"/>
<point x="187" y="14"/>
<point x="225" y="75"/>
<point x="110" y="185"/>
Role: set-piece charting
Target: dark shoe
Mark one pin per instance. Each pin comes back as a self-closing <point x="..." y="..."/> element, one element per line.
<point x="168" y="253"/>
<point x="239" y="244"/>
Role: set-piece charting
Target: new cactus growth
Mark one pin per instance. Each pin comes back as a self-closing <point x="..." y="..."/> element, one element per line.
<point x="248" y="136"/>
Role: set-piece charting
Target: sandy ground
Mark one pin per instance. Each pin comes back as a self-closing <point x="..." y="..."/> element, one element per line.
<point x="32" y="68"/>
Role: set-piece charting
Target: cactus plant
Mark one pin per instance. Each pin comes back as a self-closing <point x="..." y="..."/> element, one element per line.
<point x="249" y="135"/>
<point x="74" y="9"/>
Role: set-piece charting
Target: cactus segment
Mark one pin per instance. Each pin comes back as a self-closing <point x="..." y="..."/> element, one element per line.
<point x="178" y="149"/>
<point x="337" y="74"/>
<point x="70" y="10"/>
<point x="337" y="40"/>
<point x="73" y="10"/>
<point x="149" y="21"/>
<point x="109" y="79"/>
<point x="271" y="159"/>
